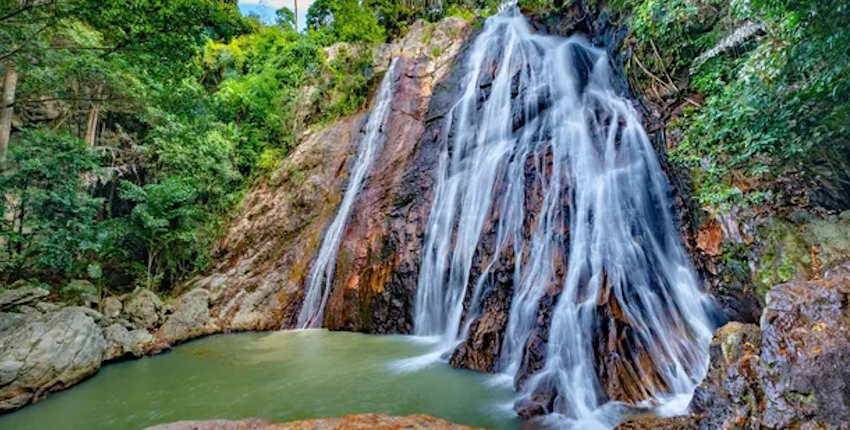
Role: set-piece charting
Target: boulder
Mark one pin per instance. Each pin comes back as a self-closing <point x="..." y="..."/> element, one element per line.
<point x="189" y="319"/>
<point x="111" y="307"/>
<point x="351" y="422"/>
<point x="117" y="340"/>
<point x="140" y="340"/>
<point x="46" y="307"/>
<point x="47" y="353"/>
<point x="143" y="308"/>
<point x="805" y="352"/>
<point x="21" y="296"/>
<point x="791" y="372"/>
<point x="729" y="395"/>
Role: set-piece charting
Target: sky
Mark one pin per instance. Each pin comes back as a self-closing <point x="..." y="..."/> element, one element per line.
<point x="266" y="9"/>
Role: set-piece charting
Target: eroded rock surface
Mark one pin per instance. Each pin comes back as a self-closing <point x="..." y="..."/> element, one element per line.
<point x="190" y="318"/>
<point x="47" y="353"/>
<point x="143" y="308"/>
<point x="21" y="296"/>
<point x="789" y="373"/>
<point x="267" y="253"/>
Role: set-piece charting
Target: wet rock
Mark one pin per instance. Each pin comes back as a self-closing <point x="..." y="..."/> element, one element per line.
<point x="189" y="319"/>
<point x="47" y="353"/>
<point x="790" y="373"/>
<point x="143" y="308"/>
<point x="729" y="396"/>
<point x="540" y="402"/>
<point x="660" y="423"/>
<point x="21" y="296"/>
<point x="351" y="422"/>
<point x="805" y="352"/>
<point x="481" y="349"/>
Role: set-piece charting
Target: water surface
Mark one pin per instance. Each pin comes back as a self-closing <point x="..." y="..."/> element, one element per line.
<point x="281" y="376"/>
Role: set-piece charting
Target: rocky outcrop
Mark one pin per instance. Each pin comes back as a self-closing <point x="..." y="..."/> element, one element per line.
<point x="46" y="347"/>
<point x="190" y="319"/>
<point x="351" y="422"/>
<point x="48" y="353"/>
<point x="789" y="373"/>
<point x="266" y="254"/>
<point x="805" y="352"/>
<point x="378" y="262"/>
<point x="21" y="296"/>
<point x="143" y="308"/>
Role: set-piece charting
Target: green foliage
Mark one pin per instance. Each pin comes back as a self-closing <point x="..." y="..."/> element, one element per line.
<point x="165" y="223"/>
<point x="333" y="21"/>
<point x="49" y="226"/>
<point x="74" y="290"/>
<point x="164" y="36"/>
<point x="779" y="107"/>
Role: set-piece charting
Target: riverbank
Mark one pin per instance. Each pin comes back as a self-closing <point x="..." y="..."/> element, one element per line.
<point x="280" y="376"/>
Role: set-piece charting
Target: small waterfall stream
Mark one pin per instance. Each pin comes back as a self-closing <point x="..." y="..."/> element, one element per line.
<point x="320" y="278"/>
<point x="540" y="147"/>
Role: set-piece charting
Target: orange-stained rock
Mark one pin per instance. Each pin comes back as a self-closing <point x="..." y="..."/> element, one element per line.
<point x="266" y="253"/>
<point x="710" y="238"/>
<point x="378" y="259"/>
<point x="350" y="422"/>
<point x="263" y="260"/>
<point x="790" y="373"/>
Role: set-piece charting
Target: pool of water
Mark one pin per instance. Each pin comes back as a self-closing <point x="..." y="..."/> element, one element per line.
<point x="281" y="376"/>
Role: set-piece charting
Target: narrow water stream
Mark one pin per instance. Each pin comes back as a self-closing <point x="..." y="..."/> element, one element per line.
<point x="281" y="376"/>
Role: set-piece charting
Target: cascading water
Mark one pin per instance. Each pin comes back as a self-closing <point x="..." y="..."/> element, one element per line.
<point x="320" y="279"/>
<point x="599" y="229"/>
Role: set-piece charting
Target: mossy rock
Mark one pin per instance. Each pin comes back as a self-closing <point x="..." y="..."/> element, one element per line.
<point x="801" y="251"/>
<point x="76" y="289"/>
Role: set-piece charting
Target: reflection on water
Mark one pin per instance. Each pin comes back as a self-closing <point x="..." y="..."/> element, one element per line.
<point x="281" y="376"/>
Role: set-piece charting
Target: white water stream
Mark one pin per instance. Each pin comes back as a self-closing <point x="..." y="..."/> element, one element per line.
<point x="320" y="279"/>
<point x="544" y="107"/>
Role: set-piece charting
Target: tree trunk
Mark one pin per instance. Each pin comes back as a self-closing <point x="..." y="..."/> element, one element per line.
<point x="94" y="114"/>
<point x="10" y="83"/>
<point x="296" y="15"/>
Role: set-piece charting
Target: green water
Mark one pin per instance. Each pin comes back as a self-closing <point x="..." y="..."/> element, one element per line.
<point x="281" y="376"/>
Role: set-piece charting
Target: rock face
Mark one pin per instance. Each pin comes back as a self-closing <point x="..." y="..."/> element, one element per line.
<point x="143" y="308"/>
<point x="48" y="353"/>
<point x="789" y="373"/>
<point x="351" y="422"/>
<point x="378" y="262"/>
<point x="21" y="296"/>
<point x="190" y="318"/>
<point x="45" y="348"/>
<point x="267" y="253"/>
<point x="805" y="352"/>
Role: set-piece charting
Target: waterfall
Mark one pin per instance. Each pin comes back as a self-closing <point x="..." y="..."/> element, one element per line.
<point x="542" y="154"/>
<point x="320" y="278"/>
